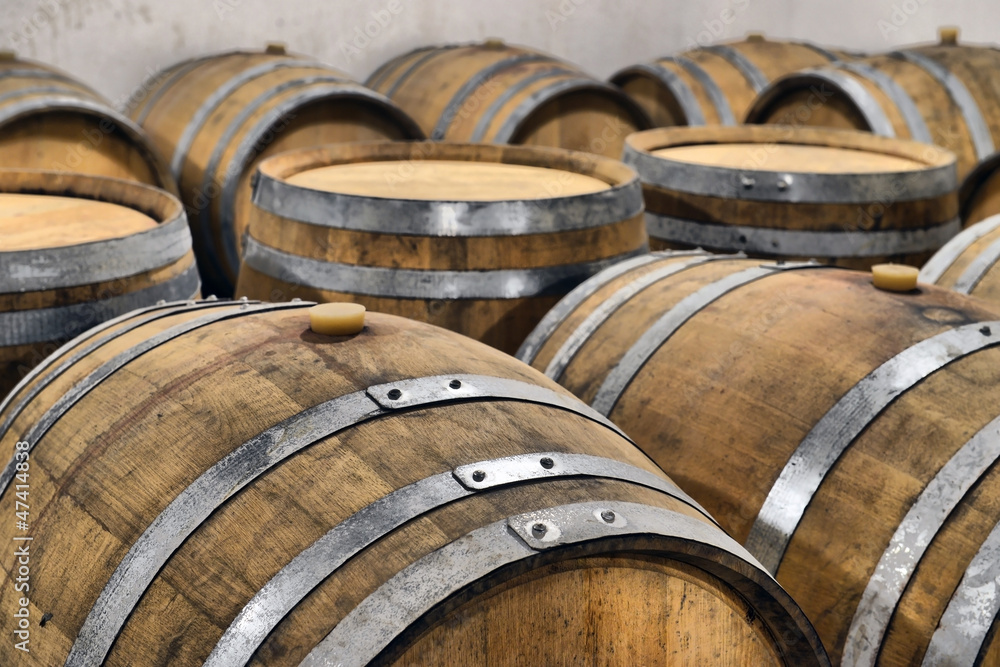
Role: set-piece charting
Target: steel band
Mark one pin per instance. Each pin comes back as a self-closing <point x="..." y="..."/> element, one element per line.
<point x="489" y="114"/>
<point x="557" y="315"/>
<point x="576" y="340"/>
<point x="982" y="139"/>
<point x="978" y="269"/>
<point x="420" y="283"/>
<point x="837" y="429"/>
<point x="747" y="69"/>
<point x="173" y="75"/>
<point x="953" y="249"/>
<point x="474" y="82"/>
<point x="965" y="625"/>
<point x="904" y="103"/>
<point x="678" y="88"/>
<point x="44" y="90"/>
<point x="312" y="566"/>
<point x="416" y="589"/>
<point x="39" y="325"/>
<point x="911" y="540"/>
<point x="433" y="51"/>
<point x="384" y="215"/>
<point x="87" y="263"/>
<point x="387" y="69"/>
<point x="712" y="89"/>
<point x="801" y="243"/>
<point x="219" y="95"/>
<point x="139" y="318"/>
<point x="826" y="53"/>
<point x="791" y="187"/>
<point x="192" y="506"/>
<point x="642" y="350"/>
<point x="30" y="73"/>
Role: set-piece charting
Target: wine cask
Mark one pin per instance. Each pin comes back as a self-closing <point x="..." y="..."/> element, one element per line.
<point x="979" y="196"/>
<point x="967" y="263"/>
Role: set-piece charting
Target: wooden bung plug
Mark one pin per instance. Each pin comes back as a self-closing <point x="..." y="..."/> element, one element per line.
<point x="755" y="37"/>
<point x="276" y="48"/>
<point x="7" y="55"/>
<point x="948" y="35"/>
<point x="895" y="277"/>
<point x="337" y="319"/>
<point x="494" y="43"/>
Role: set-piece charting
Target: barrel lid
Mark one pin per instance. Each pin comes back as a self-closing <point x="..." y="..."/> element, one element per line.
<point x="30" y="221"/>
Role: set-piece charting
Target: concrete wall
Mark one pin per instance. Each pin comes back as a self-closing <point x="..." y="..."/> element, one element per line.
<point x="115" y="45"/>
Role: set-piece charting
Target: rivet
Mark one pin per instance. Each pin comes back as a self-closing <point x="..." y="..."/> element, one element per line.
<point x="296" y="300"/>
<point x="478" y="475"/>
<point x="747" y="182"/>
<point x="46" y="617"/>
<point x="547" y="463"/>
<point x="608" y="516"/>
<point x="211" y="297"/>
<point x="161" y="302"/>
<point x="782" y="184"/>
<point x="455" y="384"/>
<point x="394" y="394"/>
<point x="538" y="530"/>
<point x="244" y="299"/>
<point x="986" y="331"/>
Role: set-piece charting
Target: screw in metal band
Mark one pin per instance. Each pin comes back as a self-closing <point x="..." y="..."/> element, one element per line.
<point x="547" y="463"/>
<point x="608" y="516"/>
<point x="538" y="530"/>
<point x="455" y="384"/>
<point x="394" y="394"/>
<point x="478" y="475"/>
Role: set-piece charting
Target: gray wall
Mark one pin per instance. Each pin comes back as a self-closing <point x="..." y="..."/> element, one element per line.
<point x="115" y="45"/>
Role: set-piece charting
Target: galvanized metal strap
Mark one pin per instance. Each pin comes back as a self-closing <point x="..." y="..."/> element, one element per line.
<point x="220" y="94"/>
<point x="489" y="114"/>
<point x="389" y="67"/>
<point x="193" y="505"/>
<point x="40" y="325"/>
<point x="322" y="558"/>
<point x="139" y="317"/>
<point x="719" y="100"/>
<point x="801" y="242"/>
<point x="982" y="138"/>
<point x="576" y="340"/>
<point x="953" y="249"/>
<point x="904" y="103"/>
<point x="816" y="455"/>
<point x="419" y="587"/>
<point x="911" y="540"/>
<point x="965" y="626"/>
<point x="44" y="90"/>
<point x="173" y="75"/>
<point x="826" y="53"/>
<point x="867" y="105"/>
<point x="405" y="75"/>
<point x="96" y="262"/>
<point x="422" y="283"/>
<point x="31" y="73"/>
<point x="685" y="97"/>
<point x="978" y="268"/>
<point x="385" y="215"/>
<point x="474" y="82"/>
<point x="618" y="380"/>
<point x="757" y="79"/>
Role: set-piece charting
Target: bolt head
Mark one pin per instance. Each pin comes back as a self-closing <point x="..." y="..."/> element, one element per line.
<point x="538" y="529"/>
<point x="478" y="475"/>
<point x="608" y="516"/>
<point x="455" y="384"/>
<point x="547" y="463"/>
<point x="394" y="394"/>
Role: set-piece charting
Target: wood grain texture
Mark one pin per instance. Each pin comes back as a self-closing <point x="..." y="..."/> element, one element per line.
<point x="773" y="58"/>
<point x="589" y="116"/>
<point x="102" y="473"/>
<point x="725" y="401"/>
<point x="979" y="195"/>
<point x="307" y="116"/>
<point x="55" y="135"/>
<point x="987" y="278"/>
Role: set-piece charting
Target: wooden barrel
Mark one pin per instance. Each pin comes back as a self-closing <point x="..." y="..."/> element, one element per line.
<point x="715" y="85"/>
<point x="408" y="496"/>
<point x="845" y="198"/>
<point x="497" y="93"/>
<point x="49" y="120"/>
<point x="979" y="196"/>
<point x="942" y="94"/>
<point x="968" y="263"/>
<point x="217" y="117"/>
<point x="77" y="250"/>
<point x="479" y="239"/>
<point x="845" y="434"/>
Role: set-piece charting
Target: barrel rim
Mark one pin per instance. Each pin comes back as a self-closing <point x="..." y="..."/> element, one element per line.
<point x="974" y="180"/>
<point x="938" y="178"/>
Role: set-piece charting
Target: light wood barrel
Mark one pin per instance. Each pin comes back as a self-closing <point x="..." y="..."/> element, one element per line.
<point x="479" y="239"/>
<point x="968" y="263"/>
<point x="262" y="494"/>
<point x="78" y="250"/>
<point x="49" y="120"/>
<point x="715" y="85"/>
<point x="847" y="435"/>
<point x="497" y="93"/>
<point x="942" y="94"/>
<point x="217" y="117"/>
<point x="845" y="198"/>
<point x="979" y="196"/>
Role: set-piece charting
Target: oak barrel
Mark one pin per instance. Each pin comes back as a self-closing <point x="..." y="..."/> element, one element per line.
<point x="77" y="250"/>
<point x="498" y="93"/>
<point x="941" y="94"/>
<point x="847" y="435"/>
<point x="217" y="117"/>
<point x="979" y="196"/>
<point x="48" y="120"/>
<point x="264" y="494"/>
<point x="968" y="262"/>
<point x="843" y="197"/>
<point x="716" y="84"/>
<point x="480" y="239"/>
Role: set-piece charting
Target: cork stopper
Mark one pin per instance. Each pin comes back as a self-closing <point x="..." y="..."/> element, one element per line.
<point x="494" y="43"/>
<point x="337" y="319"/>
<point x="755" y="37"/>
<point x="895" y="277"/>
<point x="7" y="56"/>
<point x="948" y="35"/>
<point x="276" y="49"/>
